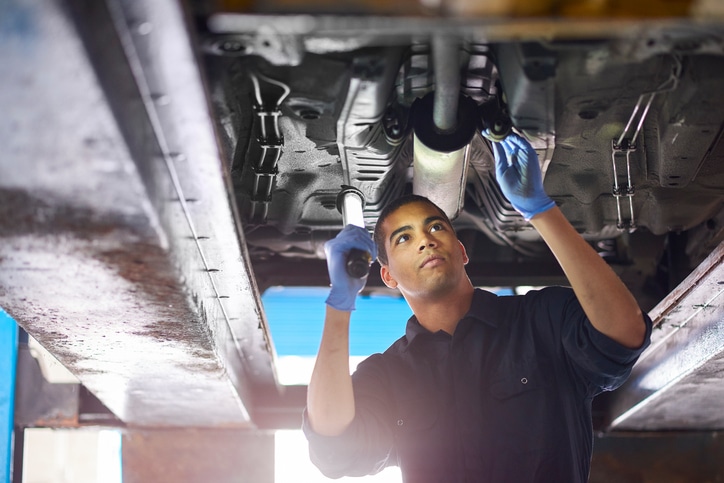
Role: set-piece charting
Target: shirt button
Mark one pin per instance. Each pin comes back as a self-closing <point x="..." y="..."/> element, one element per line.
<point x="524" y="380"/>
<point x="400" y="422"/>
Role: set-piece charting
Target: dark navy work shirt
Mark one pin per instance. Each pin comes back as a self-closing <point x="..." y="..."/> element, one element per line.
<point x="506" y="398"/>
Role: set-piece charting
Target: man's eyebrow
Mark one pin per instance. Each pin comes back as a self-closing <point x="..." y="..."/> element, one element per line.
<point x="399" y="230"/>
<point x="430" y="219"/>
<point x="427" y="221"/>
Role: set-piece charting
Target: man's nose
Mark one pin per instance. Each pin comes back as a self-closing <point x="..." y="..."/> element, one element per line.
<point x="427" y="242"/>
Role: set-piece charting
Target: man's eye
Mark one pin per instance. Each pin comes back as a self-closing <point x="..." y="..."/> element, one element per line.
<point x="436" y="227"/>
<point x="402" y="238"/>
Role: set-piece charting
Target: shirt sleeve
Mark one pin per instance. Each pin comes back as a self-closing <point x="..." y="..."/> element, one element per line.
<point x="602" y="362"/>
<point x="366" y="446"/>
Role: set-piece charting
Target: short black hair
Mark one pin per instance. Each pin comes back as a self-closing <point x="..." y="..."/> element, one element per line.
<point x="393" y="206"/>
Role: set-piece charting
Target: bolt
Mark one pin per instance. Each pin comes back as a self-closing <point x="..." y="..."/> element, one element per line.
<point x="232" y="46"/>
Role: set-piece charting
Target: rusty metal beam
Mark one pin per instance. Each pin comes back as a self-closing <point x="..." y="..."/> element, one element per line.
<point x="40" y="403"/>
<point x="119" y="248"/>
<point x="191" y="455"/>
<point x="279" y="409"/>
<point x="519" y="8"/>
<point x="678" y="382"/>
<point x="313" y="31"/>
<point x="661" y="457"/>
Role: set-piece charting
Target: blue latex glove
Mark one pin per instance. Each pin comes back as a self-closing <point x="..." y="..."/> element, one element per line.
<point x="345" y="288"/>
<point x="519" y="176"/>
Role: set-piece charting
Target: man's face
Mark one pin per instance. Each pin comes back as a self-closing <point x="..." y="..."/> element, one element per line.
<point x="425" y="257"/>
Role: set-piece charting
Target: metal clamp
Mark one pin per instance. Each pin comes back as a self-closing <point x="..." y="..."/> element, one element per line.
<point x="627" y="191"/>
<point x="271" y="142"/>
<point x="625" y="145"/>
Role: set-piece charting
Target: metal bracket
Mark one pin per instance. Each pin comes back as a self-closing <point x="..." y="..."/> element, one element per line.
<point x="39" y="403"/>
<point x="626" y="145"/>
<point x="43" y="404"/>
<point x="271" y="142"/>
<point x="627" y="191"/>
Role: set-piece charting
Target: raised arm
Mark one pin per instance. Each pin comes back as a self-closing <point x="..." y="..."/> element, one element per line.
<point x="609" y="305"/>
<point x="330" y="398"/>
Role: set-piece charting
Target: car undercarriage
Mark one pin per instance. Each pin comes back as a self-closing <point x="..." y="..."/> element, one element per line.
<point x="627" y="126"/>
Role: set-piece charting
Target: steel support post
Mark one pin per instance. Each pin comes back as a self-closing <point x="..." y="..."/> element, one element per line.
<point x="8" y="360"/>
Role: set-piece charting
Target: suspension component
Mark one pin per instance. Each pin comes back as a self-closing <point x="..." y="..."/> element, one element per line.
<point x="495" y="122"/>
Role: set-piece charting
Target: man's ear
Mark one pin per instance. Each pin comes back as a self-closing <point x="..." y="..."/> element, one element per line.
<point x="387" y="277"/>
<point x="465" y="253"/>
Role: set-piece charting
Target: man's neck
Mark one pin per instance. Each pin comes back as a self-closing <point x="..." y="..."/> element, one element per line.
<point x="442" y="312"/>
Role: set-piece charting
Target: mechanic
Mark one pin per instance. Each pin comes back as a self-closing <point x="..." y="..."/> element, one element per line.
<point x="480" y="387"/>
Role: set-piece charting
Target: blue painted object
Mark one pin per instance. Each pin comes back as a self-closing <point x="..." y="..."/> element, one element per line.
<point x="8" y="361"/>
<point x="296" y="317"/>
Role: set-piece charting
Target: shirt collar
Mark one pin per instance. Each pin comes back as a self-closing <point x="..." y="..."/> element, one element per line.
<point x="483" y="308"/>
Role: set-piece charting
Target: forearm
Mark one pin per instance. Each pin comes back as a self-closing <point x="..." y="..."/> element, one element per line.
<point x="330" y="398"/>
<point x="609" y="305"/>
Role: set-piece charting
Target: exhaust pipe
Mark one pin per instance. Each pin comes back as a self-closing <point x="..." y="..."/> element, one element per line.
<point x="444" y="125"/>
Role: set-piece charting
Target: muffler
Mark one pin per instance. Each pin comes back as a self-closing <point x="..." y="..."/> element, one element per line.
<point x="444" y="125"/>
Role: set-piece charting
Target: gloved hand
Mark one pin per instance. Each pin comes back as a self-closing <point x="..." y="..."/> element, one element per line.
<point x="345" y="288"/>
<point x="519" y="176"/>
